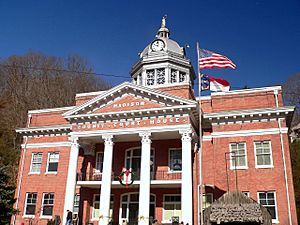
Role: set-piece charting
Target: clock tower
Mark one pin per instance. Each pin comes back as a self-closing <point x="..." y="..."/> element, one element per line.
<point x="163" y="65"/>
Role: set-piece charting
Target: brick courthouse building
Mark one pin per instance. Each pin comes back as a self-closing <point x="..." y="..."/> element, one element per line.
<point x="73" y="157"/>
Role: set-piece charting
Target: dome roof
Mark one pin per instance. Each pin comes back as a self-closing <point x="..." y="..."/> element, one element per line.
<point x="170" y="46"/>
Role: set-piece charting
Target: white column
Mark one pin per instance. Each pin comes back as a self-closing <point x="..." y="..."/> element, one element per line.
<point x="186" y="181"/>
<point x="106" y="180"/>
<point x="71" y="179"/>
<point x="144" y="196"/>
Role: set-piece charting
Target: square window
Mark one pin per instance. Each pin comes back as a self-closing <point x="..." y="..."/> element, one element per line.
<point x="53" y="158"/>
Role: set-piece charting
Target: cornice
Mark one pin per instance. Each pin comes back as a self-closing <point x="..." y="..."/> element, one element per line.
<point x="45" y="130"/>
<point x="50" y="110"/>
<point x="249" y="113"/>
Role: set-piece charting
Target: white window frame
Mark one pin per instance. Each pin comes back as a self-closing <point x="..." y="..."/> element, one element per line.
<point x="25" y="206"/>
<point x="271" y="155"/>
<point x="164" y="203"/>
<point x="232" y="167"/>
<point x="93" y="207"/>
<point x="96" y="163"/>
<point x="275" y="200"/>
<point x="31" y="162"/>
<point x="205" y="200"/>
<point x="42" y="211"/>
<point x="52" y="172"/>
<point x="169" y="161"/>
<point x="75" y="205"/>
<point x="247" y="193"/>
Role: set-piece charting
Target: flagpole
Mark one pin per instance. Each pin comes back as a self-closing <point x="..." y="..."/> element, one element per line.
<point x="200" y="141"/>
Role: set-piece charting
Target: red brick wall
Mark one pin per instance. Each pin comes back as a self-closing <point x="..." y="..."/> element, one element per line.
<point x="43" y="182"/>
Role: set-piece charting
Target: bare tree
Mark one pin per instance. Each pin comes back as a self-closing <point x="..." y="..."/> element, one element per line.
<point x="291" y="94"/>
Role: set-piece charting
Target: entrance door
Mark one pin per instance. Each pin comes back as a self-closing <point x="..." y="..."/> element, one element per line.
<point x="133" y="213"/>
<point x="129" y="209"/>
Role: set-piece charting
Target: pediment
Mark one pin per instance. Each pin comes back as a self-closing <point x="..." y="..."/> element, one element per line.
<point x="128" y="97"/>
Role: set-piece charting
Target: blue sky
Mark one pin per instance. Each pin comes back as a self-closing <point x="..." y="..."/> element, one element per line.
<point x="261" y="37"/>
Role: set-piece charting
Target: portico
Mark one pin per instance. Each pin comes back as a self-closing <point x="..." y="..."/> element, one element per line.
<point x="145" y="138"/>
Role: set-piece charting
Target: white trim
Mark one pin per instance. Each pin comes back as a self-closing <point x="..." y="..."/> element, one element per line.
<point x="125" y="86"/>
<point x="25" y="206"/>
<point x="258" y="111"/>
<point x="206" y="138"/>
<point x="243" y="133"/>
<point x="271" y="155"/>
<point x="275" y="200"/>
<point x="137" y="130"/>
<point x="30" y="172"/>
<point x="52" y="172"/>
<point x="247" y="91"/>
<point x="246" y="158"/>
<point x="55" y="128"/>
<point x="247" y="193"/>
<point x="163" y="208"/>
<point x="36" y="111"/>
<point x="47" y="145"/>
<point x="93" y="208"/>
<point x="169" y="155"/>
<point x="45" y="216"/>
<point x="137" y="111"/>
<point x="98" y="171"/>
<point x="95" y="93"/>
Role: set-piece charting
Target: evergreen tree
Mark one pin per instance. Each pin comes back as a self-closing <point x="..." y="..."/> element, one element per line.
<point x="6" y="196"/>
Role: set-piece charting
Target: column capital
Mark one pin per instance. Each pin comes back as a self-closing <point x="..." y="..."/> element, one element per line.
<point x="108" y="139"/>
<point x="145" y="135"/>
<point x="74" y="141"/>
<point x="186" y="134"/>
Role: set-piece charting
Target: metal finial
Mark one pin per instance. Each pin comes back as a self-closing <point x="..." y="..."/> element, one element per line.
<point x="163" y="21"/>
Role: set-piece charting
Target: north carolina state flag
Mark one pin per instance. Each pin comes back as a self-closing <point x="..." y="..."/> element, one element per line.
<point x="218" y="84"/>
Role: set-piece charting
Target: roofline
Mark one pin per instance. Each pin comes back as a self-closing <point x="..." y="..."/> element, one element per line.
<point x="41" y="128"/>
<point x="244" y="91"/>
<point x="249" y="112"/>
<point x="90" y="93"/>
<point x="134" y="86"/>
<point x="36" y="111"/>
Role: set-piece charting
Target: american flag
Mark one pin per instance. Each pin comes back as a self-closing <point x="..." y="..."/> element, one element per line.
<point x="208" y="59"/>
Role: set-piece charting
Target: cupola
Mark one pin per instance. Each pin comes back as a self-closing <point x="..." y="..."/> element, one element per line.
<point x="163" y="63"/>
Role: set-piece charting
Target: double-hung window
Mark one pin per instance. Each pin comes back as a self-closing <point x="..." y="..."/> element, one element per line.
<point x="268" y="200"/>
<point x="172" y="208"/>
<point x="30" y="203"/>
<point x="48" y="204"/>
<point x="53" y="158"/>
<point x="36" y="162"/>
<point x="99" y="162"/>
<point x="238" y="156"/>
<point x="263" y="154"/>
<point x="175" y="159"/>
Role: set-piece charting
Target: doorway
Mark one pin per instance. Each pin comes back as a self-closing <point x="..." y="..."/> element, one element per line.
<point x="129" y="209"/>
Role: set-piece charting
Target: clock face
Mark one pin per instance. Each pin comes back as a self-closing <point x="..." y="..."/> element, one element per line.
<point x="157" y="45"/>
